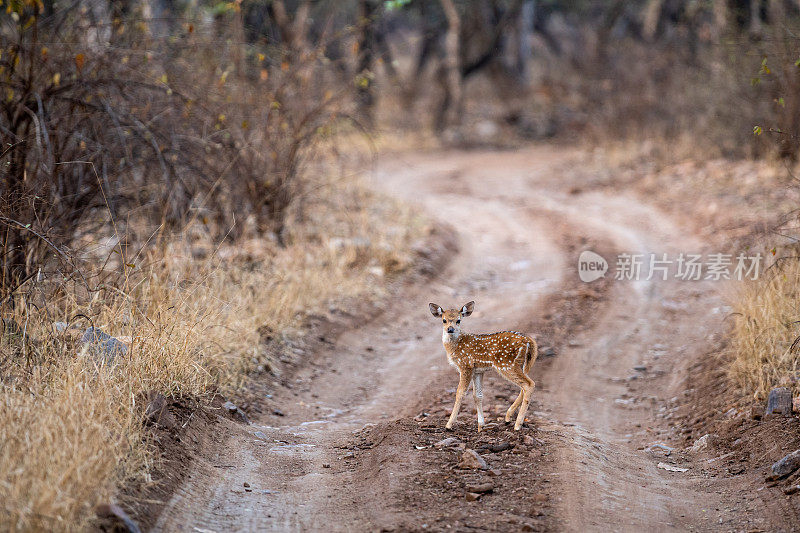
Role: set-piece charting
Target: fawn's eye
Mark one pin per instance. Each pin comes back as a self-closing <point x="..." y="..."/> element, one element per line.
<point x="444" y="321"/>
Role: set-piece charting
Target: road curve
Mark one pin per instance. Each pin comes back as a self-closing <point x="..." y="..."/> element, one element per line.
<point x="509" y="212"/>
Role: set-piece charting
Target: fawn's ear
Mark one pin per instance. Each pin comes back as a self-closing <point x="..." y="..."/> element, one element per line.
<point x="436" y="310"/>
<point x="467" y="309"/>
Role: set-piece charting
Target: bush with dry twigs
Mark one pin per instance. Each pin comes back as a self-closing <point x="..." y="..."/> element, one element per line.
<point x="108" y="125"/>
<point x="71" y="425"/>
<point x="157" y="185"/>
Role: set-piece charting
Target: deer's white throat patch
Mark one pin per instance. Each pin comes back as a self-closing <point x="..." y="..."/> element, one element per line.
<point x="449" y="338"/>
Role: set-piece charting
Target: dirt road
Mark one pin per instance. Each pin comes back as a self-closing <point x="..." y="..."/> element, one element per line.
<point x="352" y="451"/>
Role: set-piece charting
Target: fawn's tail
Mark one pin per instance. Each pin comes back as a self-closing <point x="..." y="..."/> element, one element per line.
<point x="530" y="355"/>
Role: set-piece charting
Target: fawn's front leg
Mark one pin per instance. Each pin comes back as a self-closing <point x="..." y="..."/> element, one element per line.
<point x="477" y="391"/>
<point x="463" y="384"/>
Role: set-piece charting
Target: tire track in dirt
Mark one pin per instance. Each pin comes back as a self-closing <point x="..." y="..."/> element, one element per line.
<point x="508" y="210"/>
<point x="378" y="372"/>
<point x="604" y="481"/>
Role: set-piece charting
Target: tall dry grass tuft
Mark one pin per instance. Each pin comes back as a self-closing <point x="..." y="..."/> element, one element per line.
<point x="765" y="328"/>
<point x="71" y="425"/>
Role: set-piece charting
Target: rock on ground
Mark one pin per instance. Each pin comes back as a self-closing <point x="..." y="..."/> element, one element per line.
<point x="157" y="411"/>
<point x="103" y="346"/>
<point x="235" y="412"/>
<point x="113" y="518"/>
<point x="480" y="488"/>
<point x="703" y="442"/>
<point x="779" y="401"/>
<point x="448" y="443"/>
<point x="787" y="465"/>
<point x="470" y="459"/>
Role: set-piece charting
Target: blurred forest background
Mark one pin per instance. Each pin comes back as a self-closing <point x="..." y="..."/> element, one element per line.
<point x="168" y="111"/>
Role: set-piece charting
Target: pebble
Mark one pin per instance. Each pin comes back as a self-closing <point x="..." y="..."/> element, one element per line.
<point x="471" y="497"/>
<point x="736" y="470"/>
<point x="233" y="410"/>
<point x="658" y="446"/>
<point x="446" y="443"/>
<point x="703" y="442"/>
<point x="672" y="468"/>
<point x="498" y="447"/>
<point x="532" y="441"/>
<point x="480" y="488"/>
<point x="470" y="459"/>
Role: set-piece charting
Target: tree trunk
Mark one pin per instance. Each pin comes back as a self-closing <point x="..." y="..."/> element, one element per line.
<point x="610" y="18"/>
<point x="387" y="58"/>
<point x="720" y="12"/>
<point x="755" y="19"/>
<point x="282" y="20"/>
<point x="524" y="32"/>
<point x="776" y="12"/>
<point x="426" y="51"/>
<point x="366" y="53"/>
<point x="300" y="26"/>
<point x="293" y="32"/>
<point x="652" y="16"/>
<point x="452" y="67"/>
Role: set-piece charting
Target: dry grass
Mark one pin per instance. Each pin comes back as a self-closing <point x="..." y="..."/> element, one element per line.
<point x="765" y="326"/>
<point x="733" y="203"/>
<point x="71" y="429"/>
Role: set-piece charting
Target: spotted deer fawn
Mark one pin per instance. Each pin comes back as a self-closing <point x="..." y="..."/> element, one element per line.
<point x="510" y="353"/>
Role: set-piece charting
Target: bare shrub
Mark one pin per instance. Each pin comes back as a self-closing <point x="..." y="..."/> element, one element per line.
<point x="150" y="172"/>
<point x="107" y="126"/>
<point x="776" y="79"/>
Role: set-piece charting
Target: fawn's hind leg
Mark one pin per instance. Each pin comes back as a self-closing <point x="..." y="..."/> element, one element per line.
<point x="523" y="410"/>
<point x="516" y="375"/>
<point x="515" y="405"/>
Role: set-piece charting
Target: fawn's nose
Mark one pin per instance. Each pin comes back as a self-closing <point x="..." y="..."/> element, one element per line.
<point x="451" y="329"/>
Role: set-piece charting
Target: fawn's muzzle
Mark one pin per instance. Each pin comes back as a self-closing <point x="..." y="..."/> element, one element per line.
<point x="450" y="329"/>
